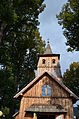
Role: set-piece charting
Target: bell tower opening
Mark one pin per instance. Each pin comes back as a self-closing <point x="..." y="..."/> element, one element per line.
<point x="50" y="62"/>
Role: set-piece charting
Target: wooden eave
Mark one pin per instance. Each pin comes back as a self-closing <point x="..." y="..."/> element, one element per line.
<point x="15" y="114"/>
<point x="46" y="108"/>
<point x="37" y="79"/>
<point x="49" y="55"/>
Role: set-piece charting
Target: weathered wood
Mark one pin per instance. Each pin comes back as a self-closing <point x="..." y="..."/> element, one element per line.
<point x="59" y="96"/>
<point x="51" y="67"/>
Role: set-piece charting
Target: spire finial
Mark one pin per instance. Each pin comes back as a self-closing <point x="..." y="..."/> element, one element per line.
<point x="48" y="48"/>
<point x="48" y="40"/>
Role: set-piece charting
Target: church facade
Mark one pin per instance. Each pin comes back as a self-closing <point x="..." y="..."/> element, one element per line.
<point x="46" y="97"/>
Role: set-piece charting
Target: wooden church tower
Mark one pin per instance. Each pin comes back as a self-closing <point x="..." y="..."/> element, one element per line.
<point x="50" y="62"/>
<point x="46" y="97"/>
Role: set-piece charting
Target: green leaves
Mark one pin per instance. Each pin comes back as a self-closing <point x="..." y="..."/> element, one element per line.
<point x="5" y="111"/>
<point x="69" y="19"/>
<point x="71" y="78"/>
<point x="20" y="43"/>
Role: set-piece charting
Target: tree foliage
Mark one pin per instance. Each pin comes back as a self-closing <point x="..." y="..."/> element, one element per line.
<point x="69" y="19"/>
<point x="20" y="43"/>
<point x="71" y="78"/>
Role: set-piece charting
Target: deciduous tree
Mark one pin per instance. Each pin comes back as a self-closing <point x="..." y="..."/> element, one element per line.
<point x="69" y="19"/>
<point x="20" y="43"/>
<point x="71" y="78"/>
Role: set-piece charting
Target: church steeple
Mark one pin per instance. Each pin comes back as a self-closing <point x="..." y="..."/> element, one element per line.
<point x="50" y="62"/>
<point x="48" y="49"/>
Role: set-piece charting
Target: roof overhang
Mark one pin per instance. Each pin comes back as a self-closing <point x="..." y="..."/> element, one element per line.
<point x="20" y="94"/>
<point x="49" y="55"/>
<point x="46" y="109"/>
<point x="17" y="113"/>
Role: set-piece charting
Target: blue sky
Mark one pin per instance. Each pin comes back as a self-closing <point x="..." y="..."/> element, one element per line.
<point x="49" y="28"/>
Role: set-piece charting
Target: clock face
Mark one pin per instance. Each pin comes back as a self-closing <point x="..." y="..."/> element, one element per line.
<point x="46" y="91"/>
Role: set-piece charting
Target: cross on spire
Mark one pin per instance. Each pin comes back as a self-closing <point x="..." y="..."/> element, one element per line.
<point x="48" y="40"/>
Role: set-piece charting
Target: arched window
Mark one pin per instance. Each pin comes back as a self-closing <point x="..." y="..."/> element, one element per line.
<point x="53" y="61"/>
<point x="43" y="61"/>
<point x="45" y="91"/>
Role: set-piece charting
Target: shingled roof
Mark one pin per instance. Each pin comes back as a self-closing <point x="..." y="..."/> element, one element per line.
<point x="45" y="108"/>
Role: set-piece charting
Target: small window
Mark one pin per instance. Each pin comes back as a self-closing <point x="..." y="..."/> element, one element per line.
<point x="53" y="61"/>
<point x="45" y="91"/>
<point x="43" y="61"/>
